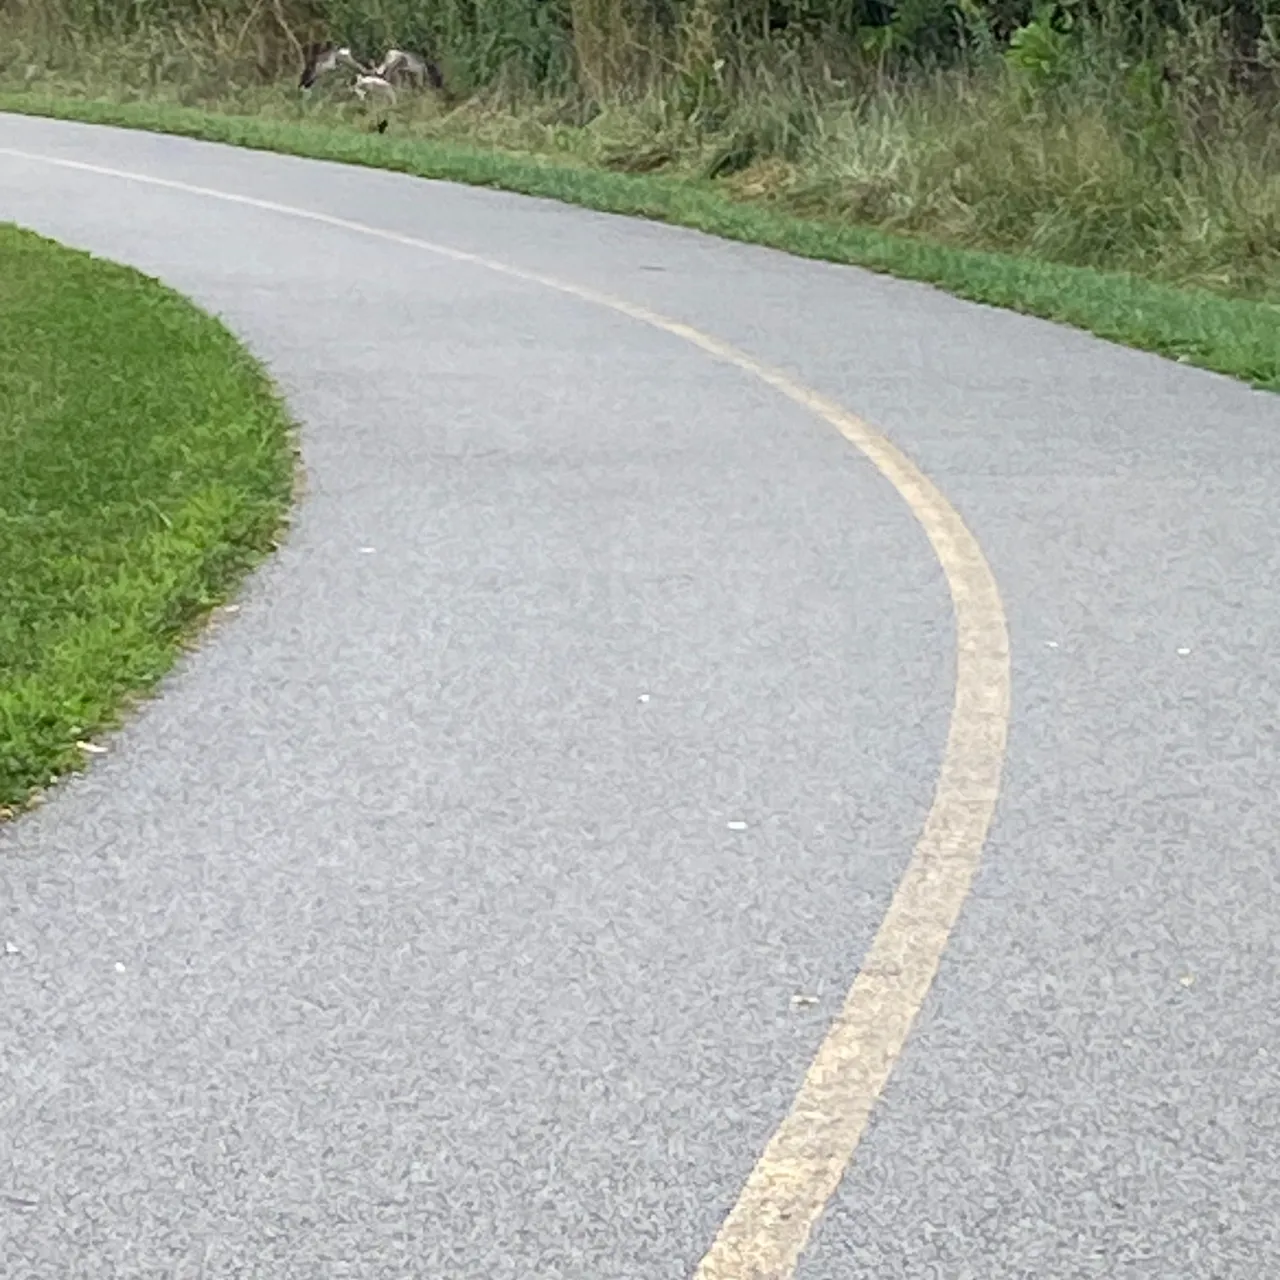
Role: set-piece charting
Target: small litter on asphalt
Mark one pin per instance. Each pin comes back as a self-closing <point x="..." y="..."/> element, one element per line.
<point x="804" y="1000"/>
<point x="644" y="697"/>
<point x="367" y="551"/>
<point x="10" y="949"/>
<point x="1183" y="652"/>
<point x="736" y="826"/>
<point x="119" y="967"/>
<point x="1187" y="979"/>
<point x="1050" y="644"/>
<point x="92" y="748"/>
<point x="230" y="608"/>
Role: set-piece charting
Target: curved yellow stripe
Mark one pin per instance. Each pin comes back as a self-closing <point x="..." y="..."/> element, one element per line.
<point x="801" y="1166"/>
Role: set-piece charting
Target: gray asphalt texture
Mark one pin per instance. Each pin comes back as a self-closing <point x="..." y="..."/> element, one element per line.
<point x="400" y="937"/>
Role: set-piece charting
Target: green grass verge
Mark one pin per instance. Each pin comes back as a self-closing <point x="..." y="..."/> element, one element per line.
<point x="1239" y="338"/>
<point x="148" y="463"/>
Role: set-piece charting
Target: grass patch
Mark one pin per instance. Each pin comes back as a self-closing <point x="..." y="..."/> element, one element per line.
<point x="148" y="464"/>
<point x="1236" y="336"/>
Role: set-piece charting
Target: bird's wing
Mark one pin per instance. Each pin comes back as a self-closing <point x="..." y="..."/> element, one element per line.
<point x="318" y="59"/>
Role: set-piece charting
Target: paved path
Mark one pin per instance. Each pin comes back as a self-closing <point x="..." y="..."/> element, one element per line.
<point x="405" y="933"/>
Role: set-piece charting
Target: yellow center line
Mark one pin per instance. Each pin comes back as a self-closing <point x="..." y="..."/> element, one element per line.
<point x="802" y="1165"/>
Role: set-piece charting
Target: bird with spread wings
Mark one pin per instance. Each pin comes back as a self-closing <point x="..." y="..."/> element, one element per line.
<point x="396" y="66"/>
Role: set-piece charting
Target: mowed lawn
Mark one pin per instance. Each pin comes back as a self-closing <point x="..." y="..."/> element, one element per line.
<point x="146" y="463"/>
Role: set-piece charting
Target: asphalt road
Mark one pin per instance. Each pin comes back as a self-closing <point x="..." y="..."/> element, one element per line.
<point x="404" y="933"/>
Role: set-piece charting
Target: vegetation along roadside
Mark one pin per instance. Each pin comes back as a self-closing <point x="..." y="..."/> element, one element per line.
<point x="148" y="464"/>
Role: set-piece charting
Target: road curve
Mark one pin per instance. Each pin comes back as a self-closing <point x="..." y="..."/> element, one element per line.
<point x="405" y="934"/>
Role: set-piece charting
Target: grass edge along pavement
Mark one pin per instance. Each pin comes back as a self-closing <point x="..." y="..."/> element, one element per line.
<point x="151" y="465"/>
<point x="1235" y="337"/>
